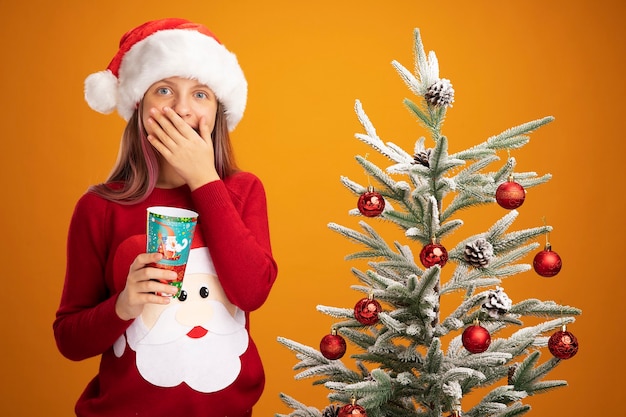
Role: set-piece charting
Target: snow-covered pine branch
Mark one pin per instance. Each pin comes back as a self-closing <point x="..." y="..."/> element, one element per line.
<point x="300" y="410"/>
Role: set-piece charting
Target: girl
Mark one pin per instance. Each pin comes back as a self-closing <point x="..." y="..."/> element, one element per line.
<point x="181" y="92"/>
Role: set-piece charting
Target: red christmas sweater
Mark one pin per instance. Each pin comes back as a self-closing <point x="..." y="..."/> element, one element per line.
<point x="193" y="357"/>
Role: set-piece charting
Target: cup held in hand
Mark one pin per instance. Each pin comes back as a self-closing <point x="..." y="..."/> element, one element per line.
<point x="170" y="232"/>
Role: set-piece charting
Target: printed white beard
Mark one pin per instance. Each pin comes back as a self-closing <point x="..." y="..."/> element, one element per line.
<point x="166" y="356"/>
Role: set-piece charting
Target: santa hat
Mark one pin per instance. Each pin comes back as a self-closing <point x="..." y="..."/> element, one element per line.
<point x="199" y="261"/>
<point x="166" y="48"/>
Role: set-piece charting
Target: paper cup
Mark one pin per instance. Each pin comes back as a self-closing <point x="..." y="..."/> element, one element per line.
<point x="170" y="232"/>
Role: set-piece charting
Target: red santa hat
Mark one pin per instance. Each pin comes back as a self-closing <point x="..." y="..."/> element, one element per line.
<point x="166" y="48"/>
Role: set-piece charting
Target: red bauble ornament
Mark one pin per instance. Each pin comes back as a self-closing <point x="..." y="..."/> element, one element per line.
<point x="563" y="344"/>
<point x="547" y="263"/>
<point x="433" y="254"/>
<point x="371" y="203"/>
<point x="352" y="410"/>
<point x="476" y="338"/>
<point x="333" y="346"/>
<point x="366" y="311"/>
<point x="510" y="195"/>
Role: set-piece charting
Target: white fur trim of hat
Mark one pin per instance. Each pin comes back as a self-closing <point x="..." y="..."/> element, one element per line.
<point x="167" y="48"/>
<point x="200" y="262"/>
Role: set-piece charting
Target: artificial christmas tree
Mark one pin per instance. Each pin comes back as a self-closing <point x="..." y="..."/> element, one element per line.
<point x="409" y="361"/>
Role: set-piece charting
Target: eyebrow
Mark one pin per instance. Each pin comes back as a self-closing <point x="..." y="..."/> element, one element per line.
<point x="200" y="85"/>
<point x="205" y="87"/>
<point x="197" y="85"/>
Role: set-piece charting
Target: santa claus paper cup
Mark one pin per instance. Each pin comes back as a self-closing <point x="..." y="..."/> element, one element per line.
<point x="170" y="232"/>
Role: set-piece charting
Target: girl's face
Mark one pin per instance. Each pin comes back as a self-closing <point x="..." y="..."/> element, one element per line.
<point x="187" y="97"/>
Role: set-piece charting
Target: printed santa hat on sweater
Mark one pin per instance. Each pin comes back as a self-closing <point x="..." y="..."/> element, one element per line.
<point x="166" y="48"/>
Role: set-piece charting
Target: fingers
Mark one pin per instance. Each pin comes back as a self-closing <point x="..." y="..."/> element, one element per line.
<point x="205" y="131"/>
<point x="154" y="285"/>
<point x="170" y="134"/>
<point x="168" y="125"/>
<point x="146" y="278"/>
<point x="130" y="303"/>
<point x="159" y="137"/>
<point x="145" y="259"/>
<point x="145" y="284"/>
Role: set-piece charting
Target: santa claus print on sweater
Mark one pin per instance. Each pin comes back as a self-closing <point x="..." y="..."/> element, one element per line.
<point x="197" y="338"/>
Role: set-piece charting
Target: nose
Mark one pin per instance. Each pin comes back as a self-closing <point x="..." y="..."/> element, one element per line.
<point x="181" y="106"/>
<point x="194" y="313"/>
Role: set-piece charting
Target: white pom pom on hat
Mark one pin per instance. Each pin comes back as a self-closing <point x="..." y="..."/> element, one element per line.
<point x="165" y="48"/>
<point x="101" y="91"/>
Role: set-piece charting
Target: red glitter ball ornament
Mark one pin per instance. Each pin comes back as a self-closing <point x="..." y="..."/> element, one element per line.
<point x="433" y="254"/>
<point x="333" y="346"/>
<point x="476" y="339"/>
<point x="547" y="263"/>
<point x="371" y="203"/>
<point x="352" y="410"/>
<point x="563" y="344"/>
<point x="366" y="311"/>
<point x="510" y="195"/>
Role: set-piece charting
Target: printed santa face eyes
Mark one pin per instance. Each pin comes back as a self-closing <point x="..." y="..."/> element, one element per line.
<point x="204" y="293"/>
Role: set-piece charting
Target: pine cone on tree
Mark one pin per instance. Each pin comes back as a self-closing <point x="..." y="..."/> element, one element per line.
<point x="511" y="372"/>
<point x="423" y="157"/>
<point x="331" y="411"/>
<point x="478" y="253"/>
<point x="498" y="303"/>
<point x="440" y="93"/>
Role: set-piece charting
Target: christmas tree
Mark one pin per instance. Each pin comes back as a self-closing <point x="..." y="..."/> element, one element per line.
<point x="410" y="360"/>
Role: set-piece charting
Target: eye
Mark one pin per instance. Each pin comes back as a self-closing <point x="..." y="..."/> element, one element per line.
<point x="204" y="292"/>
<point x="182" y="296"/>
<point x="202" y="95"/>
<point x="163" y="91"/>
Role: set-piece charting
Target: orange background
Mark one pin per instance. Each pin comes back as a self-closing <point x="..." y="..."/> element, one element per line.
<point x="306" y="63"/>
